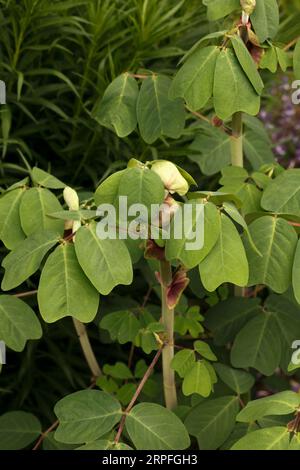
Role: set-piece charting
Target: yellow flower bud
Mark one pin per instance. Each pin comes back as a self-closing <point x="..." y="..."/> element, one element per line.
<point x="248" y="6"/>
<point x="71" y="198"/>
<point x="173" y="181"/>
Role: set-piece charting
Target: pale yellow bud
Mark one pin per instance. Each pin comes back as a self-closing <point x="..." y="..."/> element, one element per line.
<point x="173" y="181"/>
<point x="248" y="6"/>
<point x="71" y="198"/>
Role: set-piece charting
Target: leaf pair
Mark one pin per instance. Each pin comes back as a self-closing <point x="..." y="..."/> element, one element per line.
<point x="73" y="276"/>
<point x="24" y="211"/>
<point x="228" y="76"/>
<point x="123" y="106"/>
<point x="198" y="375"/>
<point x="261" y="339"/>
<point x="88" y="415"/>
<point x="269" y="438"/>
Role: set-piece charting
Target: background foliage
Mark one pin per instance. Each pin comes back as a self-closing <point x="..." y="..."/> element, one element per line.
<point x="57" y="59"/>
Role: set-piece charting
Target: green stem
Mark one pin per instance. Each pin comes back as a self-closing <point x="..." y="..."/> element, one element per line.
<point x="87" y="348"/>
<point x="237" y="159"/>
<point x="236" y="141"/>
<point x="168" y="350"/>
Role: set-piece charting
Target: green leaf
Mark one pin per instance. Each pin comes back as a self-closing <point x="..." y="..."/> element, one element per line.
<point x="123" y="326"/>
<point x="153" y="427"/>
<point x="11" y="232"/>
<point x="296" y="60"/>
<point x="227" y="318"/>
<point x="261" y="180"/>
<point x="247" y="193"/>
<point x="227" y="261"/>
<point x="240" y="430"/>
<point x="283" y="193"/>
<point x="64" y="282"/>
<point x="45" y="179"/>
<point x="283" y="58"/>
<point x="146" y="340"/>
<point x="19" y="184"/>
<point x="282" y="403"/>
<point x="238" y="380"/>
<point x="216" y="197"/>
<point x="187" y="176"/>
<point x="247" y="63"/>
<point x="295" y="443"/>
<point x="257" y="126"/>
<point x="183" y="361"/>
<point x="118" y="371"/>
<point x="217" y="9"/>
<point x="18" y="429"/>
<point x="258" y="345"/>
<point x="194" y="81"/>
<point x="35" y="207"/>
<point x="68" y="215"/>
<point x="257" y="149"/>
<point x="176" y="248"/>
<point x="275" y="438"/>
<point x="210" y="150"/>
<point x="108" y="191"/>
<point x="107" y="384"/>
<point x="233" y="174"/>
<point x="285" y="314"/>
<point x="234" y="213"/>
<point x="117" y="109"/>
<point x="212" y="373"/>
<point x="296" y="273"/>
<point x="125" y="393"/>
<point x="26" y="258"/>
<point x="232" y="90"/>
<point x="49" y="443"/>
<point x="104" y="445"/>
<point x="197" y="380"/>
<point x="18" y="323"/>
<point x="85" y="416"/>
<point x="141" y="186"/>
<point x="204" y="350"/>
<point x="265" y="19"/>
<point x="269" y="60"/>
<point x="158" y="115"/>
<point x="212" y="422"/>
<point x="276" y="240"/>
<point x="105" y="262"/>
<point x="201" y="43"/>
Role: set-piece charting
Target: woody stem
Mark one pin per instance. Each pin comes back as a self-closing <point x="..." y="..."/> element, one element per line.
<point x="237" y="159"/>
<point x="168" y="350"/>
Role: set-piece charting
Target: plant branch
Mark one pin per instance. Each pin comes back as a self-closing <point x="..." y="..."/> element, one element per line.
<point x="237" y="159"/>
<point x="137" y="393"/>
<point x="199" y="115"/>
<point x="138" y="75"/>
<point x="87" y="348"/>
<point x="145" y="301"/>
<point x="44" y="435"/>
<point x="236" y="140"/>
<point x="168" y="350"/>
<point x="291" y="44"/>
<point x="26" y="294"/>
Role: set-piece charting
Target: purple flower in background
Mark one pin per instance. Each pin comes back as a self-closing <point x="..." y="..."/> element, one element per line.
<point x="282" y="120"/>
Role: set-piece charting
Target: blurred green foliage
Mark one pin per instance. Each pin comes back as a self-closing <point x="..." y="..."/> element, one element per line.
<point x="57" y="57"/>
